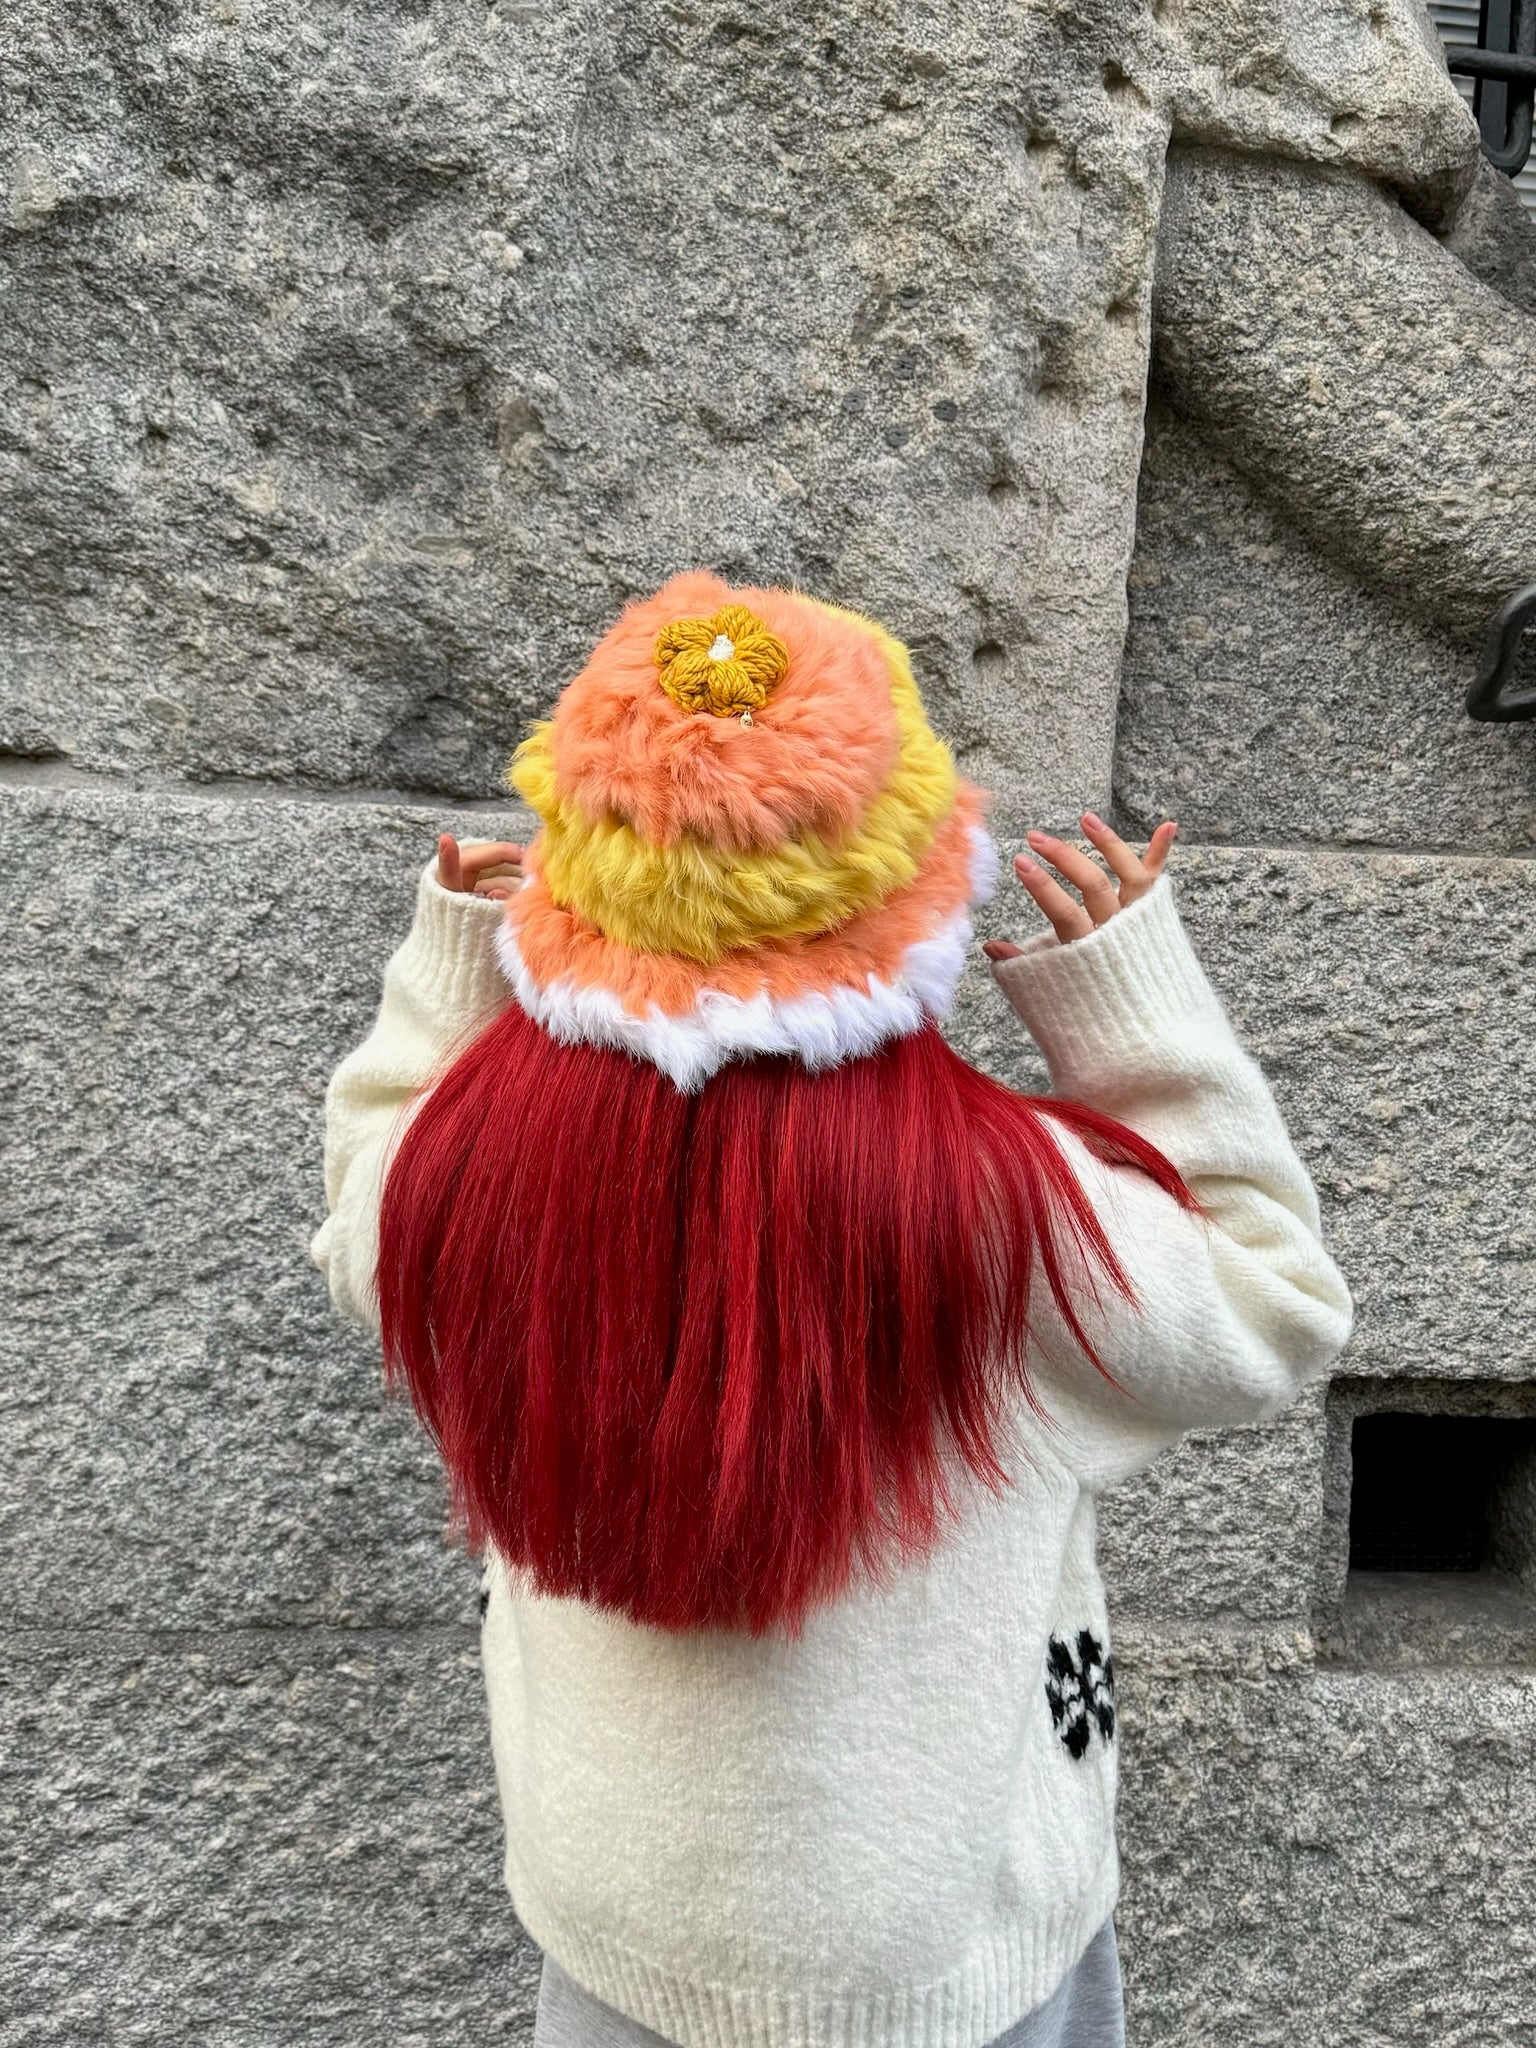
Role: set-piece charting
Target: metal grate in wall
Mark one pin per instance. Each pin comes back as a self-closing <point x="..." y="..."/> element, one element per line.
<point x="1457" y="21"/>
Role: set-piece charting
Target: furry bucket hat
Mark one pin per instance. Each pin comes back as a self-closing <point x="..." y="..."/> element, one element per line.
<point x="751" y="839"/>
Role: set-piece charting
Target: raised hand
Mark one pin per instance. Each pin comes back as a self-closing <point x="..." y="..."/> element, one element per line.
<point x="491" y="868"/>
<point x="1104" y="891"/>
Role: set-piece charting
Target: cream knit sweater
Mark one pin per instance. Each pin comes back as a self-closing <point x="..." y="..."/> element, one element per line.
<point x="898" y="1831"/>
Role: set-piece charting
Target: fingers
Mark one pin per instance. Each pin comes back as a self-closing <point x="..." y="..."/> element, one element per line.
<point x="1068" y="917"/>
<point x="1135" y="873"/>
<point x="1105" y="890"/>
<point x="466" y="869"/>
<point x="1155" y="859"/>
<point x="1101" y="895"/>
<point x="497" y="857"/>
<point x="1124" y="864"/>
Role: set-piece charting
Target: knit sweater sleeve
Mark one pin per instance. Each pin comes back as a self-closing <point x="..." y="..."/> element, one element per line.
<point x="1236" y="1312"/>
<point x="441" y="987"/>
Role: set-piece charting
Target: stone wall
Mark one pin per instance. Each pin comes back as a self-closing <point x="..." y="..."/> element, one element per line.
<point x="356" y="367"/>
<point x="1328" y="1819"/>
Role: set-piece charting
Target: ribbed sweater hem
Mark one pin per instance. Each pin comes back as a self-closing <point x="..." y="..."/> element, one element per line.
<point x="987" y="1992"/>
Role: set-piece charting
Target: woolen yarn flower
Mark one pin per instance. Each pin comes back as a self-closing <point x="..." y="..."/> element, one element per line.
<point x="726" y="664"/>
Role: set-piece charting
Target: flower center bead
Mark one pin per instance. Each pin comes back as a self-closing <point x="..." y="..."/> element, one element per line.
<point x="725" y="665"/>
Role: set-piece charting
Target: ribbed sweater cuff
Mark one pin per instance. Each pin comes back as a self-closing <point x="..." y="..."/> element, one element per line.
<point x="449" y="958"/>
<point x="1100" y="1004"/>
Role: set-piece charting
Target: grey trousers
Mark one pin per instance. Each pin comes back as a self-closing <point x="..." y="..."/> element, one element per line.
<point x="1085" y="2010"/>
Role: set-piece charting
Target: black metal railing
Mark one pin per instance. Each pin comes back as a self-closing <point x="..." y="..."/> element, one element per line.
<point x="1498" y="696"/>
<point x="1504" y="68"/>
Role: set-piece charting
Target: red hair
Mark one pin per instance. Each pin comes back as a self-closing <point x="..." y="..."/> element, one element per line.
<point x="699" y="1357"/>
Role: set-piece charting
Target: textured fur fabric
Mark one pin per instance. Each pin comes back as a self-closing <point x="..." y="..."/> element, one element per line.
<point x="821" y="1027"/>
<point x="687" y="834"/>
<point x="622" y="748"/>
<point x="827" y="997"/>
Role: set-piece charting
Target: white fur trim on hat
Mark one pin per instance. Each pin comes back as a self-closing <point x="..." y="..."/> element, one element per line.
<point x="821" y="1028"/>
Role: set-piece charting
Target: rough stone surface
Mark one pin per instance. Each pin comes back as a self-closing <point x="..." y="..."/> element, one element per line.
<point x="1324" y="1856"/>
<point x="1223" y="1529"/>
<point x="1270" y="696"/>
<point x="1404" y="1621"/>
<point x="192" y="1442"/>
<point x="267" y="1837"/>
<point x="1493" y="234"/>
<point x="359" y="366"/>
<point x="1332" y="348"/>
<point x="1362" y="86"/>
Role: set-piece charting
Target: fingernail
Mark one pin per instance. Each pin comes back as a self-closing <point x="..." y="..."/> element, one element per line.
<point x="1092" y="818"/>
<point x="1024" y="867"/>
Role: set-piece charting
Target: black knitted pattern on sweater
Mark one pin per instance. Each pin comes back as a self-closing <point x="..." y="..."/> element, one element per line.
<point x="1080" y="1690"/>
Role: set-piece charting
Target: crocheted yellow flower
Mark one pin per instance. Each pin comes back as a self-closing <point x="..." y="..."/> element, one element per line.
<point x="726" y="665"/>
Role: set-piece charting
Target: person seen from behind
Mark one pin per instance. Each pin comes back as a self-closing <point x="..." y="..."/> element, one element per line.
<point x="778" y="1358"/>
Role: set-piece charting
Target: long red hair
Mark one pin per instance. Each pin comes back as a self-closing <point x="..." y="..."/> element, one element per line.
<point x="698" y="1357"/>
